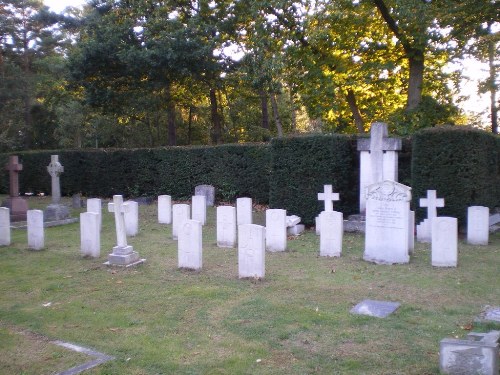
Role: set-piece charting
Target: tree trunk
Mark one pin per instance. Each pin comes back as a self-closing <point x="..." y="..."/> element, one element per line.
<point x="190" y="122"/>
<point x="276" y="115"/>
<point x="216" y="125"/>
<point x="356" y="114"/>
<point x="293" y="112"/>
<point x="416" y="79"/>
<point x="265" y="113"/>
<point x="493" y="91"/>
<point x="172" y="136"/>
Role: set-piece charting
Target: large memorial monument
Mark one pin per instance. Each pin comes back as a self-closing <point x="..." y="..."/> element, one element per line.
<point x="17" y="205"/>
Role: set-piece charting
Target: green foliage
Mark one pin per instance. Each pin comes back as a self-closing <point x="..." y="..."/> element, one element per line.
<point x="302" y="165"/>
<point x="234" y="170"/>
<point x="461" y="163"/>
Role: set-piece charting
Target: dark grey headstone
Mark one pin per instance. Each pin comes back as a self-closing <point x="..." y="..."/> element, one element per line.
<point x="379" y="309"/>
<point x="208" y="191"/>
<point x="55" y="212"/>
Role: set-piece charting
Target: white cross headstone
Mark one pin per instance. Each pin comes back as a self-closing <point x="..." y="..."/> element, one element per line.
<point x="328" y="196"/>
<point x="444" y="242"/>
<point x="164" y="209"/>
<point x="332" y="229"/>
<point x="36" y="233"/>
<point x="55" y="169"/>
<point x="244" y="211"/>
<point x="4" y="226"/>
<point x="190" y="252"/>
<point x="199" y="208"/>
<point x="180" y="213"/>
<point x="424" y="229"/>
<point x="378" y="159"/>
<point x="90" y="234"/>
<point x="226" y="226"/>
<point x="276" y="230"/>
<point x="123" y="254"/>
<point x="251" y="251"/>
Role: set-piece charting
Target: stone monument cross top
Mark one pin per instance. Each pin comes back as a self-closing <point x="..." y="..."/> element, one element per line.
<point x="14" y="168"/>
<point x="55" y="169"/>
<point x="432" y="203"/>
<point x="328" y="196"/>
<point x="119" y="208"/>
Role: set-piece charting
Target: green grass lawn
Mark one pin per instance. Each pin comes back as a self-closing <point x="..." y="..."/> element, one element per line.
<point x="156" y="319"/>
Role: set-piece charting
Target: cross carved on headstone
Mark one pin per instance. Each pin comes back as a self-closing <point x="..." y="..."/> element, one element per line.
<point x="328" y="196"/>
<point x="55" y="169"/>
<point x="119" y="208"/>
<point x="14" y="167"/>
<point x="432" y="203"/>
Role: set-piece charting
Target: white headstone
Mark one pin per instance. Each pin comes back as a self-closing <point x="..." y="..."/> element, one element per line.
<point x="90" y="235"/>
<point x="332" y="229"/>
<point x="36" y="233"/>
<point x="180" y="213"/>
<point x="387" y="221"/>
<point x="424" y="229"/>
<point x="123" y="254"/>
<point x="190" y="253"/>
<point x="244" y="211"/>
<point x="164" y="209"/>
<point x="208" y="191"/>
<point x="226" y="226"/>
<point x="199" y="208"/>
<point x="378" y="159"/>
<point x="4" y="226"/>
<point x="94" y="205"/>
<point x="411" y="233"/>
<point x="276" y="230"/>
<point x="444" y="241"/>
<point x="251" y="251"/>
<point x="478" y="225"/>
<point x="132" y="218"/>
<point x="328" y="196"/>
<point x="55" y="169"/>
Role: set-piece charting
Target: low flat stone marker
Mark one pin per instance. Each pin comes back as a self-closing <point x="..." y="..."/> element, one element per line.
<point x="180" y="213"/>
<point x="90" y="235"/>
<point x="199" y="208"/>
<point x="189" y="246"/>
<point x="251" y="251"/>
<point x="478" y="225"/>
<point x="276" y="230"/>
<point x="55" y="211"/>
<point x="164" y="209"/>
<point x="123" y="254"/>
<point x="328" y="196"/>
<point x="208" y="191"/>
<point x="330" y="242"/>
<point x="226" y="226"/>
<point x="132" y="218"/>
<point x="424" y="229"/>
<point x="378" y="309"/>
<point x="17" y="205"/>
<point x="387" y="221"/>
<point x="477" y="354"/>
<point x="444" y="242"/>
<point x="36" y="231"/>
<point x="95" y="205"/>
<point x="244" y="211"/>
<point x="4" y="226"/>
<point x="490" y="314"/>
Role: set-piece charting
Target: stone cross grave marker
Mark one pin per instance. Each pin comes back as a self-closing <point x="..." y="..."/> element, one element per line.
<point x="123" y="254"/>
<point x="328" y="196"/>
<point x="387" y="222"/>
<point x="18" y="206"/>
<point x="189" y="246"/>
<point x="424" y="229"/>
<point x="251" y="251"/>
<point x="226" y="226"/>
<point x="378" y="159"/>
<point x="55" y="169"/>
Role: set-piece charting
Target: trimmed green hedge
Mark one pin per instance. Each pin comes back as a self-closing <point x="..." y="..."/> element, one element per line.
<point x="302" y="165"/>
<point x="235" y="170"/>
<point x="462" y="164"/>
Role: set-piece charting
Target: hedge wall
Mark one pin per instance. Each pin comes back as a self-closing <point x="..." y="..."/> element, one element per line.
<point x="302" y="165"/>
<point x="235" y="170"/>
<point x="462" y="164"/>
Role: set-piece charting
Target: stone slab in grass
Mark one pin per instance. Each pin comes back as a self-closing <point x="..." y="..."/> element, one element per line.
<point x="489" y="314"/>
<point x="379" y="309"/>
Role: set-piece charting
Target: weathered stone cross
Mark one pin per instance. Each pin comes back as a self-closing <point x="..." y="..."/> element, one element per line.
<point x="328" y="196"/>
<point x="431" y="202"/>
<point x="55" y="169"/>
<point x="119" y="208"/>
<point x="14" y="167"/>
